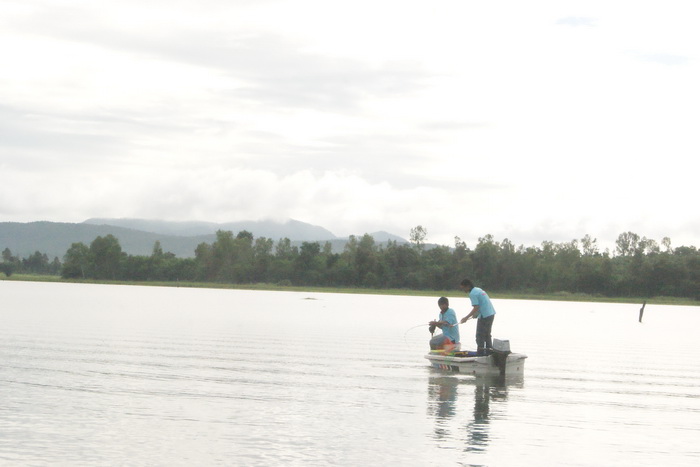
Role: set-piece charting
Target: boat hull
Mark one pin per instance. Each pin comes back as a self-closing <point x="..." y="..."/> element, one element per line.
<point x="473" y="365"/>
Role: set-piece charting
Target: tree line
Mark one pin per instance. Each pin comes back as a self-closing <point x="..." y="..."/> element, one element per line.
<point x="639" y="267"/>
<point x="36" y="263"/>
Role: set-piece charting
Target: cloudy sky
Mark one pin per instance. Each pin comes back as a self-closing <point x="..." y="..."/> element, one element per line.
<point x="532" y="121"/>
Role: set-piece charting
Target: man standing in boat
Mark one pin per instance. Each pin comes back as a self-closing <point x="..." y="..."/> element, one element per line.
<point x="484" y="311"/>
<point x="448" y="340"/>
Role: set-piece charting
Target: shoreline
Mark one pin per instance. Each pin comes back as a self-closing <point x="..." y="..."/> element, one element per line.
<point x="555" y="296"/>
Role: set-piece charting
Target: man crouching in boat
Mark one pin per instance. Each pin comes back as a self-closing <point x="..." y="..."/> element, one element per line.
<point x="448" y="340"/>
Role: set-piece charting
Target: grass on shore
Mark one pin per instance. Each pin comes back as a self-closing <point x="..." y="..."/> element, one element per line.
<point x="557" y="296"/>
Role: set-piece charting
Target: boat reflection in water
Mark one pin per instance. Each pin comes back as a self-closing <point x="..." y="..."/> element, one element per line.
<point x="462" y="408"/>
<point x="442" y="401"/>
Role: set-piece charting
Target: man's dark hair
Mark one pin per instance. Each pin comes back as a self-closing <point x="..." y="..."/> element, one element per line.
<point x="467" y="283"/>
<point x="443" y="300"/>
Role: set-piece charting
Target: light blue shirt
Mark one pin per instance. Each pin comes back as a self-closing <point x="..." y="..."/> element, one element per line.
<point x="450" y="331"/>
<point x="481" y="299"/>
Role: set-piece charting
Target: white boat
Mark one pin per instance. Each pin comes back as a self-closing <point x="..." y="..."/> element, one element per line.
<point x="501" y="361"/>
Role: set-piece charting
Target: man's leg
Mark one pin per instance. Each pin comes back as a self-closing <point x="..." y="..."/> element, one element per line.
<point x="488" y="324"/>
<point x="483" y="334"/>
<point x="479" y="336"/>
<point x="437" y="342"/>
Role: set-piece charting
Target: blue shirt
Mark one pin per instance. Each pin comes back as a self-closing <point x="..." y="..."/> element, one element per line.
<point x="450" y="331"/>
<point x="481" y="299"/>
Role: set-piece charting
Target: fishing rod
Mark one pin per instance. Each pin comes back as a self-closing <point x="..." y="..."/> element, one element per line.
<point x="410" y="329"/>
<point x="450" y="325"/>
<point x="414" y="327"/>
<point x="428" y="324"/>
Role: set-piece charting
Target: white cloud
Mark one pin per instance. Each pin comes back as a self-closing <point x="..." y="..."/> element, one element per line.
<point x="577" y="21"/>
<point x="539" y="121"/>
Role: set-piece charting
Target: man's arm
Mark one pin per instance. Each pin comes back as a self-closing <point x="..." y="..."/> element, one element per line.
<point x="440" y="324"/>
<point x="473" y="313"/>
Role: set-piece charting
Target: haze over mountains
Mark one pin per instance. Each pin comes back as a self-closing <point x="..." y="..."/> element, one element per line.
<point x="137" y="236"/>
<point x="292" y="229"/>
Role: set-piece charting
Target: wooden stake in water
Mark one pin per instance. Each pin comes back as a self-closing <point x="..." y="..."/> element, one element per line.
<point x="641" y="310"/>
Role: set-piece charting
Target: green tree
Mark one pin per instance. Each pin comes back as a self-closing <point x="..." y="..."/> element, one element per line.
<point x="366" y="262"/>
<point x="565" y="267"/>
<point x="437" y="274"/>
<point x="507" y="269"/>
<point x="282" y="265"/>
<point x="10" y="263"/>
<point x="418" y="235"/>
<point x="138" y="268"/>
<point x="533" y="276"/>
<point x="485" y="259"/>
<point x="37" y="263"/>
<point x="55" y="267"/>
<point x="589" y="245"/>
<point x="6" y="268"/>
<point x="627" y="244"/>
<point x="309" y="265"/>
<point x="76" y="262"/>
<point x="262" y="258"/>
<point x="595" y="274"/>
<point x="204" y="262"/>
<point x="156" y="263"/>
<point x="666" y="243"/>
<point x="243" y="257"/>
<point x="7" y="256"/>
<point x="398" y="262"/>
<point x="462" y="265"/>
<point x="105" y="257"/>
<point x="640" y="267"/>
<point x="223" y="257"/>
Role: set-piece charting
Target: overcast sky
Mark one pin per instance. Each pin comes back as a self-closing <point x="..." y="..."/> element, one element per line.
<point x="532" y="121"/>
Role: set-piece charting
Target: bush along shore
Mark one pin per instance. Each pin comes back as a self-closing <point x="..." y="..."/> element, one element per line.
<point x="639" y="270"/>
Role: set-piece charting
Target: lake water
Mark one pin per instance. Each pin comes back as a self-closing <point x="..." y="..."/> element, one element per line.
<point x="124" y="375"/>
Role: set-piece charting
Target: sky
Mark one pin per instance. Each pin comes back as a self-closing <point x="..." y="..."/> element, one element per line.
<point x="532" y="121"/>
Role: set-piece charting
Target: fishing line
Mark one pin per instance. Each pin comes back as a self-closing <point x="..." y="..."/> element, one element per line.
<point x="414" y="327"/>
<point x="419" y="326"/>
<point x="410" y="329"/>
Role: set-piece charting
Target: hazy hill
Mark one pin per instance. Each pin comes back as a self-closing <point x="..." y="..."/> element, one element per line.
<point x="137" y="236"/>
<point x="54" y="239"/>
<point x="291" y="229"/>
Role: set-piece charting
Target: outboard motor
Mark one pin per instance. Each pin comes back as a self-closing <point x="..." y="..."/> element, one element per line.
<point x="499" y="354"/>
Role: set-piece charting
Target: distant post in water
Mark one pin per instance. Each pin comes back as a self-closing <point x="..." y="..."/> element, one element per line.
<point x="641" y="310"/>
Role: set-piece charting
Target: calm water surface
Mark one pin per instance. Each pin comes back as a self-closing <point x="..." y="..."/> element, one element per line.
<point x="120" y="375"/>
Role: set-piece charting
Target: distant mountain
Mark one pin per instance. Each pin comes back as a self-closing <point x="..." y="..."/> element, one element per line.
<point x="291" y="229"/>
<point x="137" y="236"/>
<point x="382" y="237"/>
<point x="54" y="239"/>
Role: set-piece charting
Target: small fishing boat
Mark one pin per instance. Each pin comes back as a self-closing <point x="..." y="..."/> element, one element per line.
<point x="499" y="361"/>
